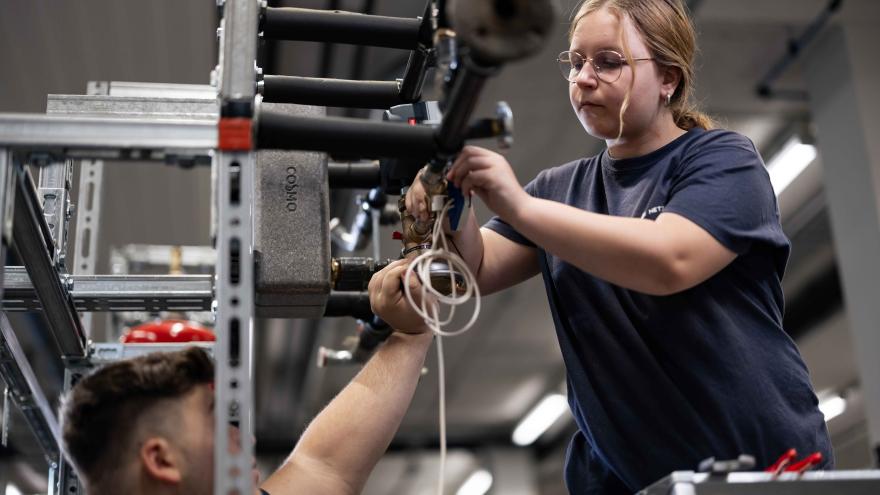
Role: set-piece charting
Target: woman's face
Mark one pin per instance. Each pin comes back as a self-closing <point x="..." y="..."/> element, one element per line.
<point x="597" y="103"/>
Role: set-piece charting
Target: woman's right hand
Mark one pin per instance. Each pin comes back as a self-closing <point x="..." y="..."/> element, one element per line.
<point x="417" y="199"/>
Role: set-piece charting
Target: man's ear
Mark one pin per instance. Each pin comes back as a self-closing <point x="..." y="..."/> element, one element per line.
<point x="160" y="461"/>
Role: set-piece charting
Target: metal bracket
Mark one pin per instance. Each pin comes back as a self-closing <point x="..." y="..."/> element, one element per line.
<point x="54" y="195"/>
<point x="91" y="293"/>
<point x="33" y="246"/>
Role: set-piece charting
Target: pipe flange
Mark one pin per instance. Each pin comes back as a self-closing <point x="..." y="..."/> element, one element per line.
<point x="499" y="31"/>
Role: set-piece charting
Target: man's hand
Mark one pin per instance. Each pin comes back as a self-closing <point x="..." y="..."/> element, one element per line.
<point x="388" y="300"/>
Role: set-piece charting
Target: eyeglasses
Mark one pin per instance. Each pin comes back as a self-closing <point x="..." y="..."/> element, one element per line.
<point x="607" y="63"/>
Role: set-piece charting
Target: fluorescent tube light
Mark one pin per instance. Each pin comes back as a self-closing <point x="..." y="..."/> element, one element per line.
<point x="539" y="419"/>
<point x="789" y="162"/>
<point x="832" y="406"/>
<point x="478" y="483"/>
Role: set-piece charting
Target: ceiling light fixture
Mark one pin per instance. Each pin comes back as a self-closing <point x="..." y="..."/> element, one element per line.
<point x="478" y="483"/>
<point x="539" y="419"/>
<point x="789" y="162"/>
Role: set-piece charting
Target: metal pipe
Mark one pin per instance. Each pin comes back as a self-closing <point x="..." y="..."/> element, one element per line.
<point x="295" y="24"/>
<point x="351" y="137"/>
<point x="330" y="92"/>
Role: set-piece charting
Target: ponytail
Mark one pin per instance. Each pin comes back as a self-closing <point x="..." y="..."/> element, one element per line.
<point x="687" y="117"/>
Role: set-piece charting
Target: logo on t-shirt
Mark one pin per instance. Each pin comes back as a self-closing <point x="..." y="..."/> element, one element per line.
<point x="653" y="212"/>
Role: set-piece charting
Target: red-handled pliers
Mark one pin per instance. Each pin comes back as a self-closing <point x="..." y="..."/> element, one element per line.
<point x="806" y="463"/>
<point x="781" y="463"/>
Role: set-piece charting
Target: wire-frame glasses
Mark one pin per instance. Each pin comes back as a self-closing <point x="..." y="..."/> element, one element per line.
<point x="608" y="64"/>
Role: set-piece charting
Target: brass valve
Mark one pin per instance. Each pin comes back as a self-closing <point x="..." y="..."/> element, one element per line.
<point x="417" y="235"/>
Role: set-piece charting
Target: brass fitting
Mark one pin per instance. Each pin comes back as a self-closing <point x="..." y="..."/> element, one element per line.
<point x="334" y="271"/>
<point x="416" y="234"/>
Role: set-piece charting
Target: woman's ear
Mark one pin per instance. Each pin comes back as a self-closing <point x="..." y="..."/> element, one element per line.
<point x="160" y="461"/>
<point x="670" y="80"/>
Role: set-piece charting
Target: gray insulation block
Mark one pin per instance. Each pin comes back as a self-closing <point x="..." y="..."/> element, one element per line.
<point x="291" y="229"/>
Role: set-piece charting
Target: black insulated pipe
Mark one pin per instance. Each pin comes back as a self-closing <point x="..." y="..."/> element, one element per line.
<point x="354" y="175"/>
<point x="330" y="92"/>
<point x="354" y="303"/>
<point x="459" y="108"/>
<point x="295" y="24"/>
<point x="765" y="88"/>
<point x="342" y="136"/>
<point x="374" y="333"/>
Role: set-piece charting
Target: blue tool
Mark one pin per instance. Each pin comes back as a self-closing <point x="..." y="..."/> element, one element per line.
<point x="458" y="210"/>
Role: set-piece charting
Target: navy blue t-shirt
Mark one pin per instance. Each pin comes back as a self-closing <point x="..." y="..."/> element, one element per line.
<point x="659" y="383"/>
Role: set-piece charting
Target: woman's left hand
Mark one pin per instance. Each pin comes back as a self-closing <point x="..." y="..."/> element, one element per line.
<point x="488" y="175"/>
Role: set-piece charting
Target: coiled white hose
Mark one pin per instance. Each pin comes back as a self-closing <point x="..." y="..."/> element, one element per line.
<point x="431" y="301"/>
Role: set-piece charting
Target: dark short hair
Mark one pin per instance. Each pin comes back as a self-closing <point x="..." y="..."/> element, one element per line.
<point x="102" y="411"/>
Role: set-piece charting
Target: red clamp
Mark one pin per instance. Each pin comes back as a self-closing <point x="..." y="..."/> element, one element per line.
<point x="234" y="134"/>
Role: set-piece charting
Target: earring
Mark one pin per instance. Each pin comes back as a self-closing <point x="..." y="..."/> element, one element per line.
<point x="668" y="99"/>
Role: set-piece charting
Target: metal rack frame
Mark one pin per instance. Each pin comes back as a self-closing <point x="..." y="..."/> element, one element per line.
<point x="168" y="123"/>
<point x="181" y="124"/>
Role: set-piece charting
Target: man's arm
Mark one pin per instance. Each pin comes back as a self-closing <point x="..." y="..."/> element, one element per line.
<point x="341" y="446"/>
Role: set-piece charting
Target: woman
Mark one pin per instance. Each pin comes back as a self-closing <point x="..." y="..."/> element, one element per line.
<point x="662" y="258"/>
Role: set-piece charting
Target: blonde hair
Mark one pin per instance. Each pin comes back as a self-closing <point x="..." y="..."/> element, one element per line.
<point x="669" y="34"/>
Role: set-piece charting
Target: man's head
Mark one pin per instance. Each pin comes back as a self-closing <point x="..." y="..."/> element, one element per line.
<point x="143" y="422"/>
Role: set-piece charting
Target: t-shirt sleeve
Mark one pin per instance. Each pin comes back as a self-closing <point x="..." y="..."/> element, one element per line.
<point x="500" y="226"/>
<point x="723" y="186"/>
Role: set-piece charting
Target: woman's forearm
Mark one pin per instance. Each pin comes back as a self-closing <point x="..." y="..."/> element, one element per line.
<point x="630" y="252"/>
<point x="467" y="241"/>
